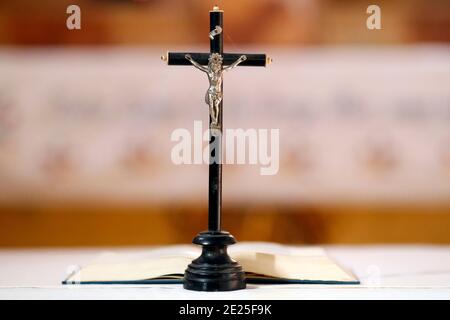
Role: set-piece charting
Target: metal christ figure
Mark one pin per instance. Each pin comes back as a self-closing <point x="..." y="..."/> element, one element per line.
<point x="214" y="71"/>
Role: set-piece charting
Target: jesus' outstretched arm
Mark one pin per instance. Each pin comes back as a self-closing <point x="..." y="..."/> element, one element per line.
<point x="236" y="63"/>
<point x="195" y="63"/>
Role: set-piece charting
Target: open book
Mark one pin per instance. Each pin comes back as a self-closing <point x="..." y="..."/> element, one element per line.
<point x="262" y="262"/>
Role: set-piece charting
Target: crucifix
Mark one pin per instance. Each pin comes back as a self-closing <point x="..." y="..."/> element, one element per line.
<point x="214" y="270"/>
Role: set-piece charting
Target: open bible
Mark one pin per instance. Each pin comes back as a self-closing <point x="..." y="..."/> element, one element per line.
<point x="262" y="262"/>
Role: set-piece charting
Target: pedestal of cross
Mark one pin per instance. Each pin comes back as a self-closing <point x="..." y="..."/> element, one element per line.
<point x="214" y="270"/>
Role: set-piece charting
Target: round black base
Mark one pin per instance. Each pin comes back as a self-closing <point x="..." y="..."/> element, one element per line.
<point x="214" y="270"/>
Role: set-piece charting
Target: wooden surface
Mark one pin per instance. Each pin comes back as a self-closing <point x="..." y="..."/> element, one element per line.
<point x="101" y="225"/>
<point x="143" y="22"/>
<point x="386" y="272"/>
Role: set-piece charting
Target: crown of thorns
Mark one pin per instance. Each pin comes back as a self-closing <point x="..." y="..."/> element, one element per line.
<point x="215" y="57"/>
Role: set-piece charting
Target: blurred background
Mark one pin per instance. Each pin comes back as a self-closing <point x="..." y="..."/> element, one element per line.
<point x="86" y="117"/>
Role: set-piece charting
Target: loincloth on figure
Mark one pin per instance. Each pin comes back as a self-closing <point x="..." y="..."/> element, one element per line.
<point x="214" y="95"/>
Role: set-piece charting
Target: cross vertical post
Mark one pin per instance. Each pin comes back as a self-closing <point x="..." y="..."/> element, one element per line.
<point x="214" y="270"/>
<point x="215" y="168"/>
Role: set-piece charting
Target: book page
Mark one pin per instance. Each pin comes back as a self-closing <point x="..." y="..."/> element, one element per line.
<point x="267" y="259"/>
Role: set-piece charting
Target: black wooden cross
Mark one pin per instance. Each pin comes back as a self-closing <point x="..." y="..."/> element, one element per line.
<point x="214" y="270"/>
